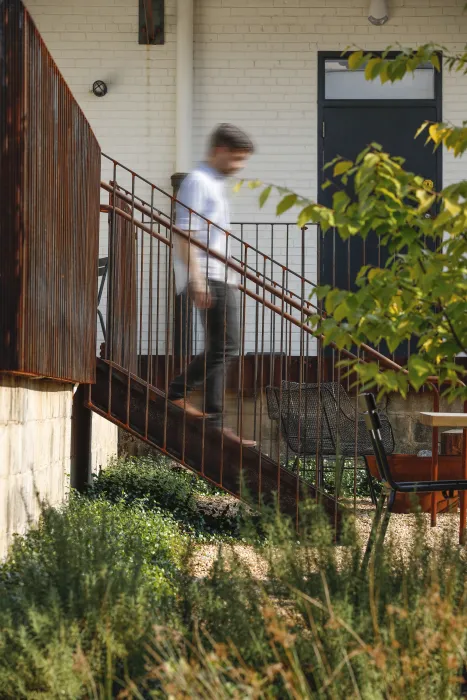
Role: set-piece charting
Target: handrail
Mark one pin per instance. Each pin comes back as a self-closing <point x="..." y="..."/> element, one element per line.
<point x="237" y="268"/>
<point x="168" y="224"/>
<point x="269" y="279"/>
<point x="240" y="269"/>
<point x="390" y="364"/>
<point x="146" y="209"/>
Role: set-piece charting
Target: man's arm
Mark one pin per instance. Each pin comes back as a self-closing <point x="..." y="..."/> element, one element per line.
<point x="197" y="281"/>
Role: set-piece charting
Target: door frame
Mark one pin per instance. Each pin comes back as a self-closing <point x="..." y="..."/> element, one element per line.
<point x="436" y="102"/>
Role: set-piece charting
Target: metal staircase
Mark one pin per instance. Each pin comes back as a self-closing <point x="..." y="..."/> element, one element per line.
<point x="141" y="409"/>
<point x="140" y="355"/>
<point x="151" y="334"/>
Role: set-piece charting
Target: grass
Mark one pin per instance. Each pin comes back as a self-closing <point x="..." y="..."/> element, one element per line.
<point x="99" y="601"/>
<point x="318" y="629"/>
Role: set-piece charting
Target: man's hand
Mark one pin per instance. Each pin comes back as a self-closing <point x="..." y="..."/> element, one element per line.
<point x="199" y="291"/>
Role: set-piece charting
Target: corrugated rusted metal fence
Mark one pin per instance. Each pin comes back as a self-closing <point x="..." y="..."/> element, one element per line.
<point x="49" y="218"/>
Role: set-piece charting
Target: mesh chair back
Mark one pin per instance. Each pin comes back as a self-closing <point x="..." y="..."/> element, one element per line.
<point x="322" y="419"/>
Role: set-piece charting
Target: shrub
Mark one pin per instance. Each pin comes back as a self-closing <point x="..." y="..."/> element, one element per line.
<point x="351" y="478"/>
<point x="79" y="594"/>
<point x="151" y="482"/>
<point x="100" y="601"/>
<point x="159" y="483"/>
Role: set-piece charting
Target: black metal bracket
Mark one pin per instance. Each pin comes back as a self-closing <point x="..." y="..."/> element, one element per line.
<point x="151" y="21"/>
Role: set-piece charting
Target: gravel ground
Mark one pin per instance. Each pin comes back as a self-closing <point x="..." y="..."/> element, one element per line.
<point x="206" y="555"/>
<point x="401" y="531"/>
<point x="402" y="527"/>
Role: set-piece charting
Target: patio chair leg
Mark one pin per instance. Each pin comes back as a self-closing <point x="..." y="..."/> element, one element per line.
<point x="387" y="515"/>
<point x="376" y="526"/>
<point x="371" y="486"/>
<point x="99" y="313"/>
<point x="340" y="464"/>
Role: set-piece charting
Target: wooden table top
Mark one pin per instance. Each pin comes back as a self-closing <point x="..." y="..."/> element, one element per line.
<point x="444" y="420"/>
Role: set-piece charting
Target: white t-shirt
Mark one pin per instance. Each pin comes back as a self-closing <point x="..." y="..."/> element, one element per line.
<point x="203" y="192"/>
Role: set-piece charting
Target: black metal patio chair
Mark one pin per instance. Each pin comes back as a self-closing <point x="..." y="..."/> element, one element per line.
<point x="321" y="419"/>
<point x="390" y="485"/>
<point x="102" y="270"/>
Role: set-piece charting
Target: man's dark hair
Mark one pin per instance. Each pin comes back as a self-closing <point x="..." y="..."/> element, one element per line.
<point x="231" y="137"/>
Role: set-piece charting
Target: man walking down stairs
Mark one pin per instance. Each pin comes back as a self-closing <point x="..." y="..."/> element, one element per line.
<point x="212" y="285"/>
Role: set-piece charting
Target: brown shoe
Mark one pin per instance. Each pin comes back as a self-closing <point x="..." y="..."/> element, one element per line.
<point x="231" y="435"/>
<point x="188" y="407"/>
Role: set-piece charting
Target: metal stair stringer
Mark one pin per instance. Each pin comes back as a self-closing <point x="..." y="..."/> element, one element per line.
<point x="246" y="473"/>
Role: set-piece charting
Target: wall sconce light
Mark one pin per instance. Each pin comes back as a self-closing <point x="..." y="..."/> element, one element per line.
<point x="378" y="12"/>
<point x="99" y="88"/>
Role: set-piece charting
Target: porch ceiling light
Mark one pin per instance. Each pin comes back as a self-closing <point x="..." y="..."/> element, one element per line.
<point x="378" y="12"/>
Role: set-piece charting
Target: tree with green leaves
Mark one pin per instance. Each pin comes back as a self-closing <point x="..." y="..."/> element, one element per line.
<point x="421" y="292"/>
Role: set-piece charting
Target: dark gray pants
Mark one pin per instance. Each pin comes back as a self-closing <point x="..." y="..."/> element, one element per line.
<point x="221" y="334"/>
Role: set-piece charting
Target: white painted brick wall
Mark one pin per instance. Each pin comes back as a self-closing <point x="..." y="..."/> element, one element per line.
<point x="255" y="65"/>
<point x="98" y="39"/>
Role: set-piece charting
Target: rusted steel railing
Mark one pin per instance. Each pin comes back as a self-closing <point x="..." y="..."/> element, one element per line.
<point x="49" y="218"/>
<point x="285" y="390"/>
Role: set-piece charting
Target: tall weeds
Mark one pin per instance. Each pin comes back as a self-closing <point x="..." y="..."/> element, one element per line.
<point x="101" y="601"/>
<point x="317" y="628"/>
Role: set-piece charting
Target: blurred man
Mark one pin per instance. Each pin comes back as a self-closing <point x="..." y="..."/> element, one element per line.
<point x="212" y="285"/>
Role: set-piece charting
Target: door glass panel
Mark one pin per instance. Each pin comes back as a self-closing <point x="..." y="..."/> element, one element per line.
<point x="344" y="84"/>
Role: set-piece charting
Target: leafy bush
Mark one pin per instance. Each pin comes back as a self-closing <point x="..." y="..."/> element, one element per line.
<point x="349" y="479"/>
<point x="79" y="595"/>
<point x="150" y="481"/>
<point x="159" y="483"/>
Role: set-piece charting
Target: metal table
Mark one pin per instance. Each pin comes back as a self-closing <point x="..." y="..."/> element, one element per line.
<point x="448" y="420"/>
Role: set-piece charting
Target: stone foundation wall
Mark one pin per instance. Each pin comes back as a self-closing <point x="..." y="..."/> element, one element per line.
<point x="104" y="442"/>
<point x="36" y="449"/>
<point x="35" y="428"/>
<point x="410" y="435"/>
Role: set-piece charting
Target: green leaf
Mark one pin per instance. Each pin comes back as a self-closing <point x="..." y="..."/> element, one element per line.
<point x="254" y="184"/>
<point x="286" y="204"/>
<point x="306" y="215"/>
<point x="341" y="312"/>
<point x="355" y="60"/>
<point x="238" y="186"/>
<point x="322" y="291"/>
<point x="435" y="62"/>
<point x="453" y="208"/>
<point x="264" y="196"/>
<point x="340" y="201"/>
<point x="373" y="68"/>
<point x="342" y="167"/>
<point x="331" y="163"/>
<point x="419" y="371"/>
<point x="421" y="129"/>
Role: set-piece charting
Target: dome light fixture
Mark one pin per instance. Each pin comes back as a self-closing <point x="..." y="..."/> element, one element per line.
<point x="378" y="12"/>
<point x="99" y="88"/>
